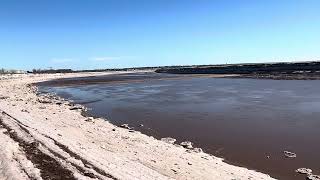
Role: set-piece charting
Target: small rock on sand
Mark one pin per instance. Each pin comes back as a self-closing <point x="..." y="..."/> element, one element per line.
<point x="197" y="150"/>
<point x="90" y="119"/>
<point x="175" y="171"/>
<point x="186" y="144"/>
<point x="289" y="154"/>
<point x="4" y="97"/>
<point x="43" y="101"/>
<point x="304" y="171"/>
<point x="313" y="177"/>
<point x="204" y="157"/>
<point x="169" y="140"/>
<point x="24" y="110"/>
<point x="76" y="107"/>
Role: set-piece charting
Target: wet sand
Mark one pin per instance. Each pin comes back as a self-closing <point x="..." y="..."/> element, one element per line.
<point x="249" y="122"/>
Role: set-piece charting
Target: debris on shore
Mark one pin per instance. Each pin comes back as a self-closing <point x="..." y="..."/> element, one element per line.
<point x="169" y="140"/>
<point x="125" y="126"/>
<point x="77" y="107"/>
<point x="186" y="144"/>
<point x="90" y="119"/>
<point x="197" y="150"/>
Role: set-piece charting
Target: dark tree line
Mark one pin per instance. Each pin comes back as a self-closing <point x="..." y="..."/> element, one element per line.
<point x="50" y="71"/>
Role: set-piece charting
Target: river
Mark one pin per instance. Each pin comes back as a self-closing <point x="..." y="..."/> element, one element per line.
<point x="249" y="122"/>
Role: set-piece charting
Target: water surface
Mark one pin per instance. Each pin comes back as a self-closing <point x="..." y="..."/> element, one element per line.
<point x="249" y="122"/>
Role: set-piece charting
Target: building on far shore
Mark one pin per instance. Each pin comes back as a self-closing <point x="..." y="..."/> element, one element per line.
<point x="11" y="71"/>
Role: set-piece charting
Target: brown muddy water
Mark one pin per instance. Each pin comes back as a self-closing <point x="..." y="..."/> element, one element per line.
<point x="249" y="122"/>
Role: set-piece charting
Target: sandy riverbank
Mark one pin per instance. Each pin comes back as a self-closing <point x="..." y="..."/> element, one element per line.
<point x="42" y="137"/>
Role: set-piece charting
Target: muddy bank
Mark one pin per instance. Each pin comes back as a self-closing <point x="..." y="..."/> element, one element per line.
<point x="111" y="78"/>
<point x="124" y="77"/>
<point x="289" y="71"/>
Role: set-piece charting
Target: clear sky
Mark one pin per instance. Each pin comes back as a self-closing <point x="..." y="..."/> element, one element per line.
<point x="85" y="34"/>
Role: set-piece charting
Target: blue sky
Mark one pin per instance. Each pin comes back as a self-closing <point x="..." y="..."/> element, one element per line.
<point x="86" y="34"/>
